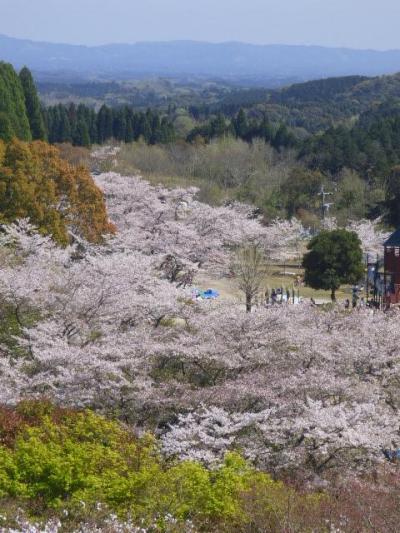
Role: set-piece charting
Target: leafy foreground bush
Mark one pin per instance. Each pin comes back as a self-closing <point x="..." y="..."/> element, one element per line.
<point x="63" y="470"/>
<point x="78" y="466"/>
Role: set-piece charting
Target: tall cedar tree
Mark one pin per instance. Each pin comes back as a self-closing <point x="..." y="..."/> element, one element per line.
<point x="13" y="118"/>
<point x="36" y="183"/>
<point x="32" y="105"/>
<point x="240" y="125"/>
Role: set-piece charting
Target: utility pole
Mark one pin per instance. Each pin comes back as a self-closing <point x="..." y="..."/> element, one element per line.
<point x="325" y="205"/>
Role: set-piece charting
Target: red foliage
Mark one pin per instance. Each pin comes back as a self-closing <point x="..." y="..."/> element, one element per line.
<point x="28" y="413"/>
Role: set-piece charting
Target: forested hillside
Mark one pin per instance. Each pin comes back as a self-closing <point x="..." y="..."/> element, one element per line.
<point x="273" y="148"/>
<point x="314" y="105"/>
<point x="371" y="146"/>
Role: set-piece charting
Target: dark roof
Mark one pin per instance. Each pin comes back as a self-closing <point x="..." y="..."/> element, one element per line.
<point x="394" y="239"/>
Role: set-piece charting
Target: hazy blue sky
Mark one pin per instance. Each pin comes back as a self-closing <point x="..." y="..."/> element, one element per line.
<point x="352" y="23"/>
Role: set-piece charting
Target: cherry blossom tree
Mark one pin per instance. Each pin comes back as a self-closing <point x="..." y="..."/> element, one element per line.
<point x="371" y="235"/>
<point x="249" y="268"/>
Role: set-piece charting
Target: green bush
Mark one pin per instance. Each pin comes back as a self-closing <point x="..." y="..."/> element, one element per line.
<point x="53" y="459"/>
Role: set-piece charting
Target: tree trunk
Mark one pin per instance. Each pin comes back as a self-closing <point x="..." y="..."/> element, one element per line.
<point x="248" y="303"/>
<point x="333" y="295"/>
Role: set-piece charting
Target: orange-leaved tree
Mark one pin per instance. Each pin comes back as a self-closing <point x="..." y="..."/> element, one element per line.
<point x="36" y="183"/>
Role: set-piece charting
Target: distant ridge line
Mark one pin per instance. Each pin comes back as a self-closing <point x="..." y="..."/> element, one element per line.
<point x="224" y="60"/>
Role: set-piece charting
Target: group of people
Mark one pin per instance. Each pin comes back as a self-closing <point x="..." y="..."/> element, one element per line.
<point x="279" y="296"/>
<point x="356" y="302"/>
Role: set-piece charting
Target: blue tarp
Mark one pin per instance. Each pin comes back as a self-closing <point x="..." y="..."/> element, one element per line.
<point x="209" y="294"/>
<point x="392" y="455"/>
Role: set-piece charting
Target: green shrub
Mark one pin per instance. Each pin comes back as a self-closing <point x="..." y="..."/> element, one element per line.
<point x="57" y="459"/>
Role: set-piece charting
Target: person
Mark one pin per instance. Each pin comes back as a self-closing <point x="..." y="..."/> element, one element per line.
<point x="266" y="297"/>
<point x="347" y="304"/>
<point x="273" y="296"/>
<point x="287" y="296"/>
<point x="362" y="303"/>
<point x="279" y="295"/>
<point x="355" y="297"/>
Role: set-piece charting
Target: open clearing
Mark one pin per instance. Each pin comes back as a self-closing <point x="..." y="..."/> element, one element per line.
<point x="275" y="278"/>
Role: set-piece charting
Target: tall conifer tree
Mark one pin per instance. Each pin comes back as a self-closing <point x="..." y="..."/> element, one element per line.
<point x="14" y="120"/>
<point x="32" y="105"/>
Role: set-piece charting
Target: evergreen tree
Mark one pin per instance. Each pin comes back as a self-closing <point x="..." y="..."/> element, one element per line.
<point x="93" y="134"/>
<point x="240" y="125"/>
<point x="6" y="131"/>
<point x="119" y="124"/>
<point x="81" y="134"/>
<point x="32" y="104"/>
<point x="167" y="131"/>
<point x="14" y="119"/>
<point x="283" y="138"/>
<point x="144" y="126"/>
<point x="334" y="258"/>
<point x="129" y="120"/>
<point x="72" y="112"/>
<point x="104" y="124"/>
<point x="266" y="131"/>
<point x="156" y="133"/>
<point x="52" y="117"/>
<point x="218" y="126"/>
<point x="63" y="131"/>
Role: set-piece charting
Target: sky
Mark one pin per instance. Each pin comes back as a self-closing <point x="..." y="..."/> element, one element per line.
<point x="348" y="23"/>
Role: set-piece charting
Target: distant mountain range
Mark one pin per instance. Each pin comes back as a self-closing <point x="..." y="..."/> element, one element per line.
<point x="231" y="60"/>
